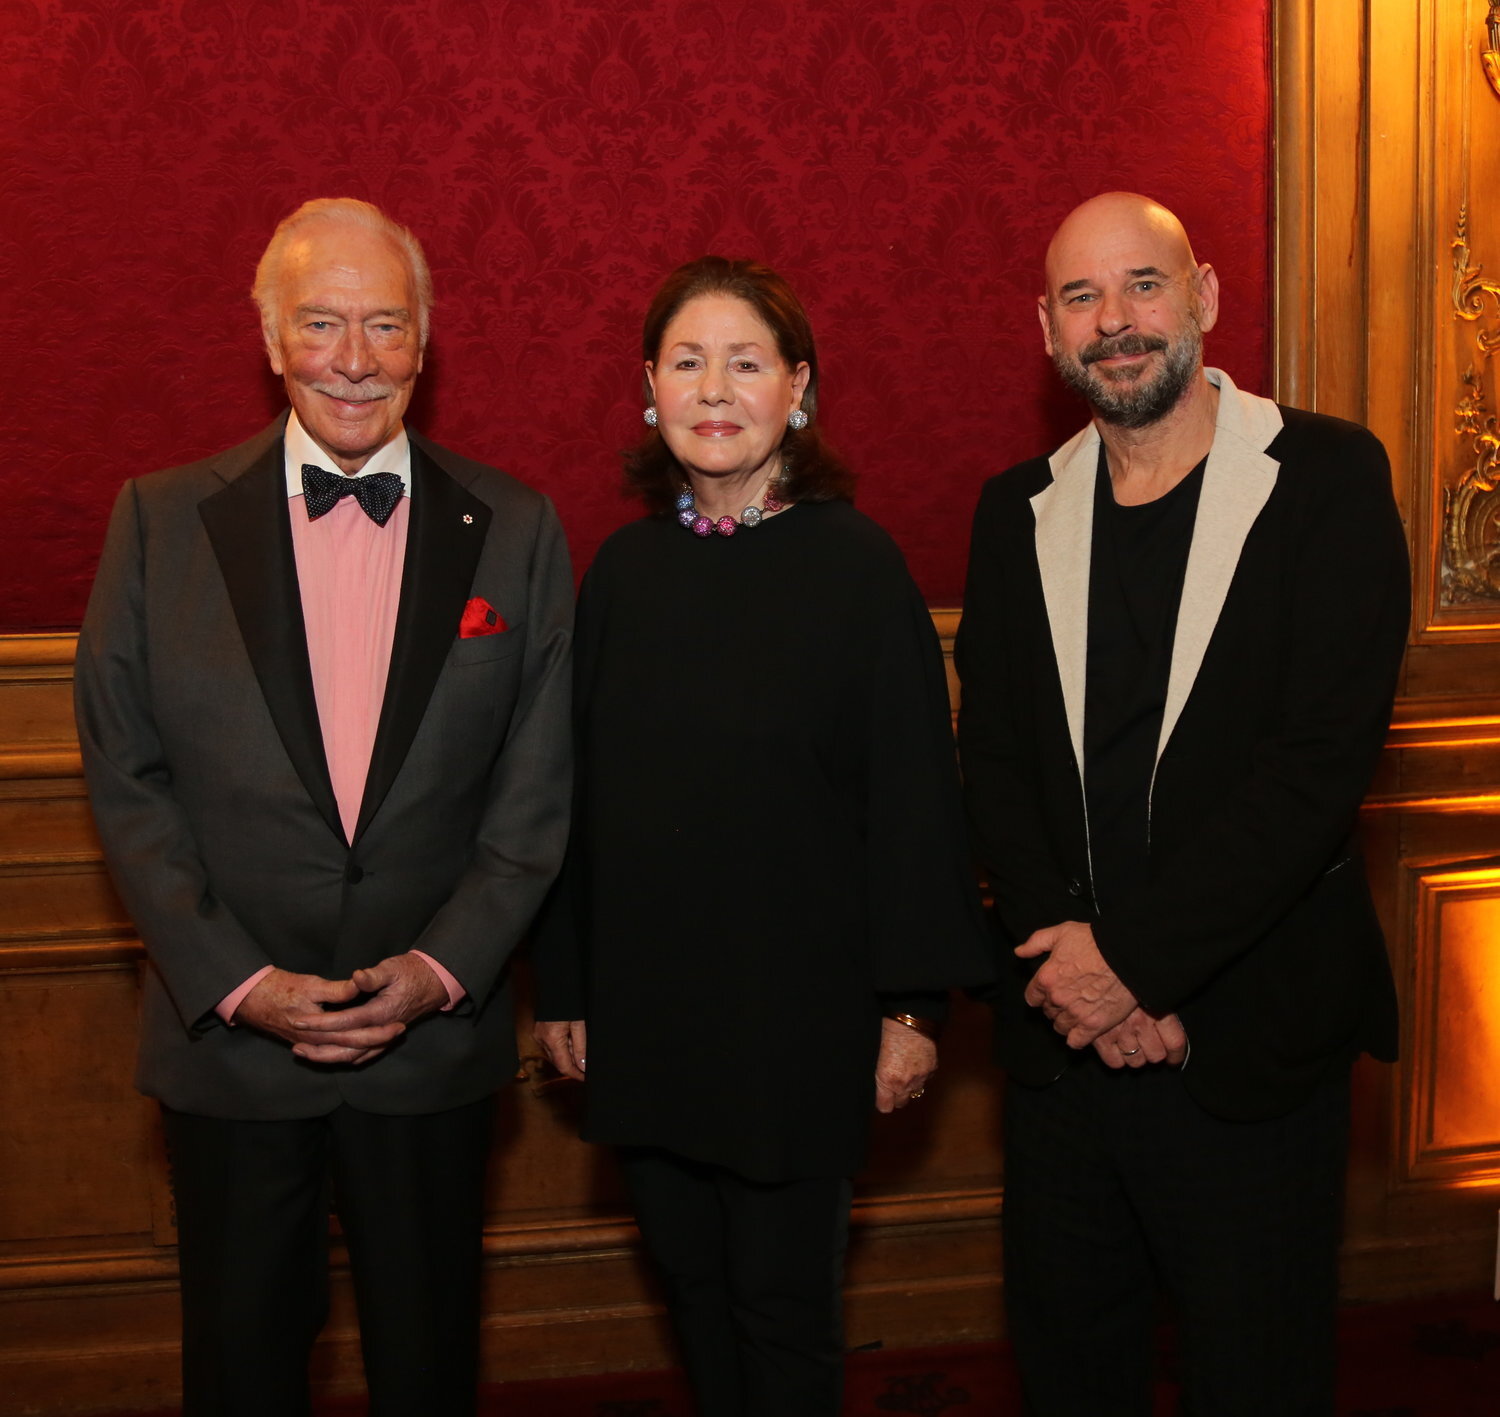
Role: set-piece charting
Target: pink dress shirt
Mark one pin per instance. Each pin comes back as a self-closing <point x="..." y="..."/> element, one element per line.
<point x="349" y="575"/>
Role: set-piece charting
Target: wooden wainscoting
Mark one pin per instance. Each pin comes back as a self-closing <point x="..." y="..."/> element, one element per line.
<point x="87" y="1264"/>
<point x="88" y="1317"/>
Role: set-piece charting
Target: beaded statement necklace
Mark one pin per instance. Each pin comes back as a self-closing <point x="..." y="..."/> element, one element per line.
<point x="694" y="520"/>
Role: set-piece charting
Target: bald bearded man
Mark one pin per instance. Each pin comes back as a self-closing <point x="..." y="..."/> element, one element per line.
<point x="1179" y="649"/>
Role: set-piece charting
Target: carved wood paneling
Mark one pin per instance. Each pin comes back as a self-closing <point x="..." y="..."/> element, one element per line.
<point x="42" y="899"/>
<point x="1466" y="460"/>
<point x="36" y="680"/>
<point x="1454" y="1046"/>
<point x="87" y="1264"/>
<point x="565" y="1288"/>
<point x="69" y="1110"/>
<point x="1388" y="243"/>
<point x="1470" y="571"/>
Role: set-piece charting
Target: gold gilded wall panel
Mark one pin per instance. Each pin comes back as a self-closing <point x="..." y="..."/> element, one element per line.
<point x="1387" y="282"/>
<point x="1491" y="55"/>
<point x="1453" y="1054"/>
<point x="1388" y="312"/>
<point x="1467" y="438"/>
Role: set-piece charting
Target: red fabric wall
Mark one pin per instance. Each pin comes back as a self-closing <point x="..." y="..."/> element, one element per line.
<point x="902" y="161"/>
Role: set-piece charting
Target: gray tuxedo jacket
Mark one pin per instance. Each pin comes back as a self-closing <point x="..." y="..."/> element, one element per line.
<point x="205" y="766"/>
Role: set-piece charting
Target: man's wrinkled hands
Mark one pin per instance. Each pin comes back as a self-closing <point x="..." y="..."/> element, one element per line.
<point x="402" y="989"/>
<point x="281" y="999"/>
<point x="566" y="1044"/>
<point x="1143" y="1038"/>
<point x="906" y="1062"/>
<point x="1075" y="988"/>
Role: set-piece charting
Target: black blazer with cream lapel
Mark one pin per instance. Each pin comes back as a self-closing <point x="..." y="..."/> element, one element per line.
<point x="205" y="764"/>
<point x="1255" y="924"/>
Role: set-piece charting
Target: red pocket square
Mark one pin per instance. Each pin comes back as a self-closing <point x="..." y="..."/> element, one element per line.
<point x="480" y="618"/>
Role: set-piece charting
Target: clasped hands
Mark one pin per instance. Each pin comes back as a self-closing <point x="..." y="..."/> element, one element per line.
<point x="1088" y="1003"/>
<point x="401" y="989"/>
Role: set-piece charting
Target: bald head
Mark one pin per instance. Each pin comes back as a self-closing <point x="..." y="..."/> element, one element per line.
<point x="1126" y="307"/>
<point x="1119" y="225"/>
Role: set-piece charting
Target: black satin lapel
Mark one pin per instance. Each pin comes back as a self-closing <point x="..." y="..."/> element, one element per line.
<point x="251" y="536"/>
<point x="443" y="541"/>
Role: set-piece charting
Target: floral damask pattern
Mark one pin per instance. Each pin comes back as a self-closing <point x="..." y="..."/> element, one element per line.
<point x="901" y="160"/>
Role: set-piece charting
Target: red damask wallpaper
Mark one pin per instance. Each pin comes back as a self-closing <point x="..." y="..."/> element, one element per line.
<point x="903" y="161"/>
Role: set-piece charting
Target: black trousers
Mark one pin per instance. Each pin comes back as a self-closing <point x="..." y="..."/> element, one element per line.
<point x="252" y="1221"/>
<point x="753" y="1276"/>
<point x="1115" y="1181"/>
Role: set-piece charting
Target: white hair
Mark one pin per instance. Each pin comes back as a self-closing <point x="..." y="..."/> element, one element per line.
<point x="352" y="212"/>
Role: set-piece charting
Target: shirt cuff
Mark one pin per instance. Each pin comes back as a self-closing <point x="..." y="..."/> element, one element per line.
<point x="456" y="991"/>
<point x="230" y="1002"/>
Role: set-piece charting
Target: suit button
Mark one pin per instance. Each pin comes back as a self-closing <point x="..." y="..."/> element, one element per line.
<point x="354" y="874"/>
<point x="1075" y="887"/>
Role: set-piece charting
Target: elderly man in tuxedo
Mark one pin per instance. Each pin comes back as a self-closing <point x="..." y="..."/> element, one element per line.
<point x="1180" y="643"/>
<point x="322" y="696"/>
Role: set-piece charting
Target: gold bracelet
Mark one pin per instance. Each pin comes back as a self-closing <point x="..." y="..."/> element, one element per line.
<point x="927" y="1027"/>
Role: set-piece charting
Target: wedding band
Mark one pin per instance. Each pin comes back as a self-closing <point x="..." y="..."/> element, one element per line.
<point x="1129" y="1052"/>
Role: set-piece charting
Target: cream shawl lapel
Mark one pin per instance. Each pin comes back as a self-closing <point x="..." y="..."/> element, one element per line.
<point x="1237" y="480"/>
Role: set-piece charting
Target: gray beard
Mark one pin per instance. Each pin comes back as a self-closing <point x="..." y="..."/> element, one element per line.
<point x="1134" y="403"/>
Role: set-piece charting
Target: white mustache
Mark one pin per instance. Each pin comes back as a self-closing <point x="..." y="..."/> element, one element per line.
<point x="356" y="393"/>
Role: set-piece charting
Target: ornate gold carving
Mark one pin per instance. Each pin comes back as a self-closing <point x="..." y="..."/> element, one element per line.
<point x="1469" y="286"/>
<point x="1490" y="57"/>
<point x="1471" y="505"/>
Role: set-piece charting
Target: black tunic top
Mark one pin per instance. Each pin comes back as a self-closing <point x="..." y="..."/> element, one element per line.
<point x="1136" y="569"/>
<point x="768" y="837"/>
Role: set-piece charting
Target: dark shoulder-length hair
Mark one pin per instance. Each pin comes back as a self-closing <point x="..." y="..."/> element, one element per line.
<point x="814" y="472"/>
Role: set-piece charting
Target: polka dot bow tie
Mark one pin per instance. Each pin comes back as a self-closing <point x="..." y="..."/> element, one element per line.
<point x="379" y="493"/>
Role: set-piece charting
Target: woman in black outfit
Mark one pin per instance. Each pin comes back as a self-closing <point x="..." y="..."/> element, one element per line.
<point x="768" y="890"/>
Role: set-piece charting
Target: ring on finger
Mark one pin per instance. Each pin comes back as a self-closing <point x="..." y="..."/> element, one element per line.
<point x="1129" y="1052"/>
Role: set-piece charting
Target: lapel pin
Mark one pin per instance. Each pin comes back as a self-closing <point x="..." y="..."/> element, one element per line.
<point x="468" y="519"/>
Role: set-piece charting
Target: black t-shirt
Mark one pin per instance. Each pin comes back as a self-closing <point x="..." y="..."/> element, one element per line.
<point x="1138" y="560"/>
